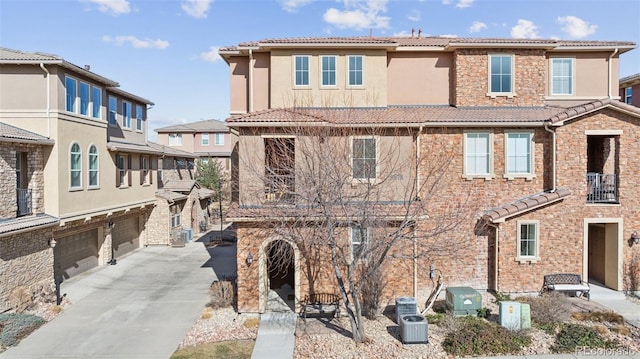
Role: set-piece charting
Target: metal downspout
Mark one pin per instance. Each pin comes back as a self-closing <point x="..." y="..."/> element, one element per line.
<point x="250" y="80"/>
<point x="415" y="241"/>
<point x="48" y="99"/>
<point x="553" y="155"/>
<point x="610" y="58"/>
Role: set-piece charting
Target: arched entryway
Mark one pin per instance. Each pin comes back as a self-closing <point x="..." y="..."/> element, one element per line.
<point x="279" y="276"/>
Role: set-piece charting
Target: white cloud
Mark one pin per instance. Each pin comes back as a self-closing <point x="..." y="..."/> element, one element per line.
<point x="135" y="42"/>
<point x="477" y="26"/>
<point x="446" y="2"/>
<point x="524" y="30"/>
<point x="414" y="16"/>
<point x="403" y="33"/>
<point x="112" y="7"/>
<point x="449" y="35"/>
<point x="196" y="8"/>
<point x="359" y="14"/>
<point x="464" y="3"/>
<point x="293" y="5"/>
<point x="211" y="55"/>
<point x="575" y="27"/>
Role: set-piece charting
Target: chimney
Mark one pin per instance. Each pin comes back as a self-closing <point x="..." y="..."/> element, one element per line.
<point x="87" y="67"/>
<point x="413" y="31"/>
<point x="419" y="33"/>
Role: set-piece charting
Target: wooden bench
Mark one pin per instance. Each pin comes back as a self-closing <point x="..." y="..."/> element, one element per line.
<point x="320" y="304"/>
<point x="566" y="282"/>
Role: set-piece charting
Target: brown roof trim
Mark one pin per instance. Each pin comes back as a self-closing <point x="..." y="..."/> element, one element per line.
<point x="526" y="204"/>
<point x="29" y="223"/>
<point x="577" y="111"/>
<point x="132" y="148"/>
<point x="630" y="80"/>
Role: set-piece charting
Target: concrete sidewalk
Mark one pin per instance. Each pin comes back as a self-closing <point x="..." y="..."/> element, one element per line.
<point x="276" y="338"/>
<point x="140" y="308"/>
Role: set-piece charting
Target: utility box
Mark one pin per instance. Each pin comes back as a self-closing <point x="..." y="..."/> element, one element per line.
<point x="463" y="301"/>
<point x="510" y="315"/>
<point x="189" y="234"/>
<point x="525" y="316"/>
<point x="405" y="306"/>
<point x="413" y="329"/>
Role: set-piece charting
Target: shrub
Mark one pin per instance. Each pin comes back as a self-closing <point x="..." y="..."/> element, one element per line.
<point x="502" y="297"/>
<point x="484" y="312"/>
<point x="435" y="319"/>
<point x="601" y="317"/>
<point x="222" y="294"/>
<point x="206" y="313"/>
<point x="252" y="323"/>
<point x="573" y="336"/>
<point x="20" y="299"/>
<point x="474" y="336"/>
<point x="548" y="311"/>
<point x="16" y="326"/>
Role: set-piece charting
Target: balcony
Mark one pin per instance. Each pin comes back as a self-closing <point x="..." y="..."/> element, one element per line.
<point x="279" y="188"/>
<point x="24" y="201"/>
<point x="602" y="188"/>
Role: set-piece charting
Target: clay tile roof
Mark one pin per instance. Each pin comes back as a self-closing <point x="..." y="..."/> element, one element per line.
<point x="179" y="185"/>
<point x="16" y="224"/>
<point x="170" y="196"/>
<point x="500" y="214"/>
<point x="576" y="111"/>
<point x="200" y="126"/>
<point x="132" y="147"/>
<point x="9" y="133"/>
<point x="204" y="193"/>
<point x="171" y="151"/>
<point x="630" y="80"/>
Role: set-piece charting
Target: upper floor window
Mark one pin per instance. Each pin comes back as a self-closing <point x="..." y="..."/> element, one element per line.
<point x="96" y="99"/>
<point x="204" y="139"/>
<point x="71" y="91"/>
<point x="328" y="70"/>
<point x="301" y="70"/>
<point x="113" y="111"/>
<point x="145" y="177"/>
<point x="561" y="76"/>
<point x="355" y="70"/>
<point x="478" y="150"/>
<point x="219" y="139"/>
<point x="175" y="139"/>
<point x="126" y="114"/>
<point x="528" y="241"/>
<point x="93" y="166"/>
<point x="359" y="241"/>
<point x="138" y="118"/>
<point x="84" y="98"/>
<point x="628" y="92"/>
<point x="363" y="156"/>
<point x="175" y="216"/>
<point x="123" y="164"/>
<point x="501" y="74"/>
<point x="75" y="166"/>
<point x="519" y="154"/>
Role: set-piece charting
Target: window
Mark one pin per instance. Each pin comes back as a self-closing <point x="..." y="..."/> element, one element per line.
<point x="175" y="139"/>
<point x="138" y="118"/>
<point x="301" y="70"/>
<point x="628" y="92"/>
<point x="204" y="140"/>
<point x="75" y="172"/>
<point x="126" y="114"/>
<point x="144" y="170"/>
<point x="500" y="74"/>
<point x="113" y="111"/>
<point x="527" y="241"/>
<point x="561" y="76"/>
<point x="84" y="98"/>
<point x="96" y="98"/>
<point x="121" y="163"/>
<point x="219" y="139"/>
<point x="519" y="154"/>
<point x="364" y="158"/>
<point x="93" y="166"/>
<point x="355" y="70"/>
<point x="70" y="88"/>
<point x="328" y="70"/>
<point x="478" y="149"/>
<point x="175" y="216"/>
<point x="359" y="241"/>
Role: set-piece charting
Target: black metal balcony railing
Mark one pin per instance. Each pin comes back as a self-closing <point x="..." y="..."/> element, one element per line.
<point x="602" y="188"/>
<point x="279" y="188"/>
<point x="24" y="201"/>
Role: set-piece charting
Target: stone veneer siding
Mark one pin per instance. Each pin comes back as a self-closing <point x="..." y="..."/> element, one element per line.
<point x="35" y="177"/>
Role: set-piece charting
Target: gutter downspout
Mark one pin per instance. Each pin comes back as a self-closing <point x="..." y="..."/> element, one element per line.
<point x="610" y="58"/>
<point x="415" y="243"/>
<point x="495" y="266"/>
<point x="48" y="99"/>
<point x="250" y="80"/>
<point x="553" y="158"/>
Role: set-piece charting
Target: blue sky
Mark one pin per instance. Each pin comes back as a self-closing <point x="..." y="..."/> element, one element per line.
<point x="166" y="50"/>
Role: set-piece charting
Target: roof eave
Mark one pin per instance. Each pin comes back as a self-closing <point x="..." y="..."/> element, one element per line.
<point x="48" y="141"/>
<point x="498" y="45"/>
<point x="621" y="49"/>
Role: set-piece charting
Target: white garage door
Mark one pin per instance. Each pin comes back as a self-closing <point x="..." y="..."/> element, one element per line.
<point x="125" y="236"/>
<point x="76" y="253"/>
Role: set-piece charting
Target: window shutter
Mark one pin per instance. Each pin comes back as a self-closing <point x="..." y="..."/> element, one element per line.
<point x="141" y="170"/>
<point x="118" y="184"/>
<point x="129" y="162"/>
<point x="152" y="160"/>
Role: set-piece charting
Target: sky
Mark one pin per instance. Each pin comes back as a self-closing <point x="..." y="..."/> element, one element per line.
<point x="166" y="50"/>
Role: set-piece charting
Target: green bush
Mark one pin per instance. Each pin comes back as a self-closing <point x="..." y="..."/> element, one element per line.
<point x="435" y="318"/>
<point x="484" y="312"/>
<point x="502" y="297"/>
<point x="573" y="336"/>
<point x="17" y="326"/>
<point x="475" y="336"/>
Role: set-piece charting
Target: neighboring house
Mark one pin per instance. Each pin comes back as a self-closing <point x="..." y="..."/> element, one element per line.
<point x="630" y="90"/>
<point x="533" y="136"/>
<point x="99" y="173"/>
<point x="205" y="139"/>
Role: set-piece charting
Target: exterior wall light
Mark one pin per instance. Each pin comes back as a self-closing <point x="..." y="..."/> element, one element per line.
<point x="635" y="237"/>
<point x="249" y="259"/>
<point x="52" y="243"/>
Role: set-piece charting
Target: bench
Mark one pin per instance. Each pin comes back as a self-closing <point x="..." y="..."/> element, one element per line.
<point x="320" y="304"/>
<point x="566" y="282"/>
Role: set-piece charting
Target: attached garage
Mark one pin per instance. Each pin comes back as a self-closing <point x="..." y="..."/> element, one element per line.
<point x="125" y="236"/>
<point x="76" y="253"/>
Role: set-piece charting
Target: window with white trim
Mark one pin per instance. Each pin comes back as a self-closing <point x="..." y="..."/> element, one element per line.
<point x="501" y="74"/>
<point x="328" y="70"/>
<point x="175" y="216"/>
<point x="355" y="70"/>
<point x="126" y="114"/>
<point x="628" y="94"/>
<point x="139" y="118"/>
<point x="528" y="240"/>
<point x="204" y="139"/>
<point x="219" y="140"/>
<point x="121" y="163"/>
<point x="301" y="70"/>
<point x="175" y="139"/>
<point x="144" y="170"/>
<point x="562" y="76"/>
<point x="113" y="111"/>
<point x="96" y="102"/>
<point x="364" y="158"/>
<point x="93" y="166"/>
<point x="84" y="98"/>
<point x="359" y="241"/>
<point x="71" y="90"/>
<point x="75" y="166"/>
<point x="519" y="154"/>
<point x="478" y="154"/>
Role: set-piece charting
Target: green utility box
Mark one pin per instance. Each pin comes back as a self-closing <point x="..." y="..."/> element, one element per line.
<point x="525" y="316"/>
<point x="463" y="301"/>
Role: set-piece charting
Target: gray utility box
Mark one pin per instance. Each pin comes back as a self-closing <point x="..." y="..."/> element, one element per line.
<point x="463" y="301"/>
<point x="405" y="306"/>
<point x="510" y="316"/>
<point x="414" y="329"/>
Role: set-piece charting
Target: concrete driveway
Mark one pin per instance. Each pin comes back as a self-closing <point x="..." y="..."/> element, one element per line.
<point x="140" y="308"/>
